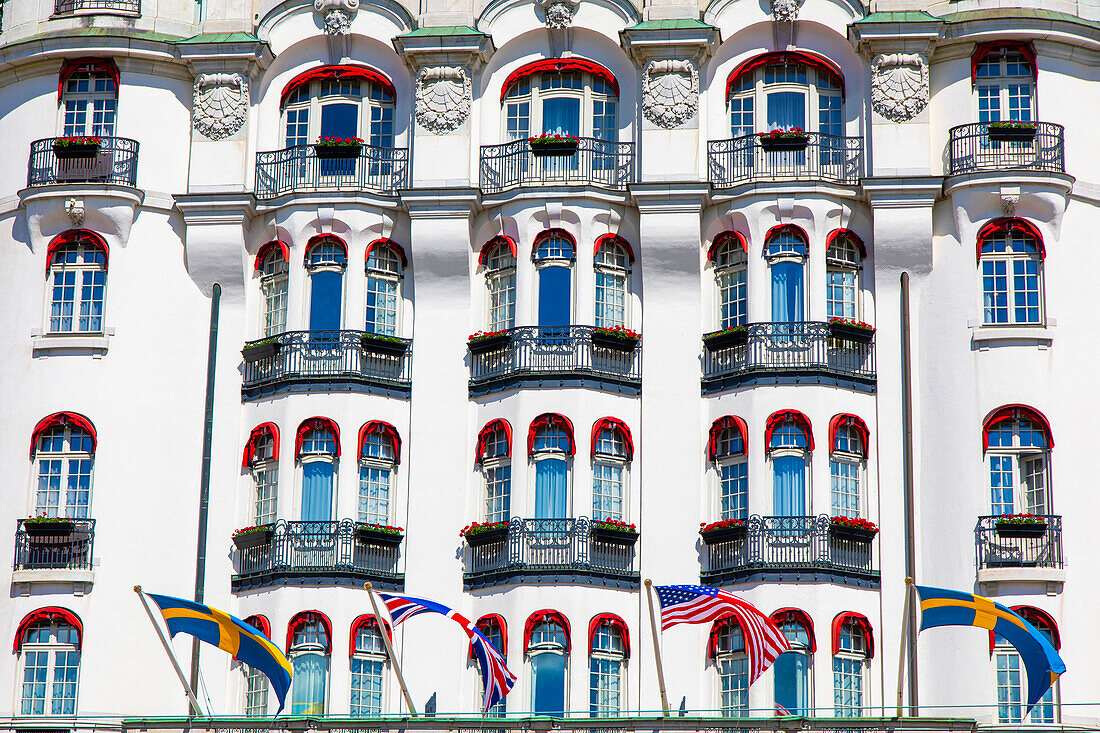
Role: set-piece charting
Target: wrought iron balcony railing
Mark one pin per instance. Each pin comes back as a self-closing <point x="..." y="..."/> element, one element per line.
<point x="551" y="551"/>
<point x="1019" y="546"/>
<point x="114" y="160"/>
<point x="42" y="547"/>
<point x="791" y="548"/>
<point x="71" y="6"/>
<point x="304" y="361"/>
<point x="299" y="169"/>
<point x="975" y="147"/>
<point x="797" y="353"/>
<point x="602" y="163"/>
<point x="534" y="356"/>
<point x="317" y="553"/>
<point x="824" y="157"/>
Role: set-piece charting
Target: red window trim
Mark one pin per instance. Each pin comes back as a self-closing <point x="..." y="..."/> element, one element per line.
<point x="613" y="239"/>
<point x="538" y="617"/>
<point x="780" y="228"/>
<point x="386" y="429"/>
<point x="794" y="416"/>
<point x="571" y="64"/>
<point x="864" y="626"/>
<point x="799" y="616"/>
<point x="86" y="64"/>
<point x="392" y="245"/>
<point x="855" y="421"/>
<point x="786" y="57"/>
<point x="617" y="424"/>
<point x="486" y="248"/>
<point x="503" y="632"/>
<point x="555" y="232"/>
<point x="716" y="628"/>
<point x="265" y="249"/>
<point x="260" y="622"/>
<point x="316" y="423"/>
<point x="368" y="620"/>
<point x="724" y="237"/>
<point x="316" y="238"/>
<point x="726" y="423"/>
<point x="62" y="418"/>
<point x="617" y="623"/>
<point x="855" y="238"/>
<point x="1011" y="412"/>
<point x="486" y="432"/>
<point x="255" y="436"/>
<point x="73" y="236"/>
<point x="304" y="617"/>
<point x="355" y="71"/>
<point x="51" y="613"/>
<point x="1031" y="614"/>
<point x="1006" y="225"/>
<point x="550" y="418"/>
<point x="997" y="48"/>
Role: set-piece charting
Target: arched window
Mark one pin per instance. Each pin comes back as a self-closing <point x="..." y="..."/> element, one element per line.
<point x="612" y="265"/>
<point x="339" y="101"/>
<point x="493" y="628"/>
<point x="261" y="458"/>
<point x="793" y="691"/>
<point x="271" y="263"/>
<point x="727" y="648"/>
<point x="89" y="98"/>
<point x="48" y="641"/>
<point x="563" y="97"/>
<point x="1003" y="73"/>
<point x="550" y="445"/>
<point x="1017" y="442"/>
<point x="77" y="272"/>
<point x="547" y="649"/>
<point x="1011" y="257"/>
<point x="318" y="447"/>
<point x="847" y="452"/>
<point x="729" y="259"/>
<point x="853" y="646"/>
<point x="785" y="90"/>
<point x="789" y="442"/>
<point x="368" y="664"/>
<point x="379" y="450"/>
<point x="326" y="259"/>
<point x="256" y="684"/>
<point x="494" y="455"/>
<point x="612" y="451"/>
<point x="385" y="268"/>
<point x="785" y="251"/>
<point x="606" y="663"/>
<point x="1011" y="681"/>
<point x="63" y="449"/>
<point x="843" y="267"/>
<point x="499" y="258"/>
<point x="309" y="648"/>
<point x="726" y="449"/>
<point x="554" y="253"/>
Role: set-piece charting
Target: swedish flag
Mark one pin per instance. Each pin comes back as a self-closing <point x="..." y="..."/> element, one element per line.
<point x="246" y="643"/>
<point x="941" y="607"/>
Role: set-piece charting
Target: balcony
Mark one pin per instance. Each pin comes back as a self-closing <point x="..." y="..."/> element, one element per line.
<point x="789" y="353"/>
<point x="824" y="158"/>
<point x="54" y="553"/>
<point x="551" y="551"/>
<point x="595" y="162"/>
<point x="299" y="170"/>
<point x="532" y="356"/>
<point x="971" y="150"/>
<point x="114" y="161"/>
<point x="317" y="553"/>
<point x="63" y="7"/>
<point x="326" y="361"/>
<point x="790" y="549"/>
<point x="1020" y="554"/>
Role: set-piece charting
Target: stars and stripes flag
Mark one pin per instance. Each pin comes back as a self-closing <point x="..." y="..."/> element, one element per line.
<point x="497" y="680"/>
<point x="696" y="604"/>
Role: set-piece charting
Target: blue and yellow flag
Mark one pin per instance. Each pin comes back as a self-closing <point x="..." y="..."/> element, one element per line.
<point x="941" y="607"/>
<point x="246" y="643"/>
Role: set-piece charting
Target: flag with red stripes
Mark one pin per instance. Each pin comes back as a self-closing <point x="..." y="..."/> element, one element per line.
<point x="696" y="604"/>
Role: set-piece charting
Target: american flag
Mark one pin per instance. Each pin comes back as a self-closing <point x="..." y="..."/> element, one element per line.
<point x="696" y="604"/>
<point x="497" y="680"/>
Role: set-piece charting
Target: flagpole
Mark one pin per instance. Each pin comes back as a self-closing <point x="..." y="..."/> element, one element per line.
<point x="656" y="647"/>
<point x="904" y="639"/>
<point x="389" y="649"/>
<point x="168" y="650"/>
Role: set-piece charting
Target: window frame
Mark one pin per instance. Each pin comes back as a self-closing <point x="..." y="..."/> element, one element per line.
<point x="1003" y="82"/>
<point x="857" y="459"/>
<point x="89" y="97"/>
<point x="730" y="260"/>
<point x="65" y="457"/>
<point x="372" y="656"/>
<point x="500" y="270"/>
<point x="83" y="247"/>
<point x="722" y="460"/>
<point x="539" y="648"/>
<point x="1018" y="453"/>
<point x="50" y="648"/>
<point x="264" y="463"/>
<point x="609" y="655"/>
<point x="856" y="654"/>
<point x="381" y="463"/>
<point x="615" y="461"/>
<point x="733" y="656"/>
<point x="298" y="649"/>
<point x="309" y="97"/>
<point x="274" y="285"/>
<point x="753" y="85"/>
<point x="844" y="265"/>
<point x="395" y="277"/>
<point x="619" y="276"/>
<point x="496" y="462"/>
<point x="529" y="90"/>
<point x="805" y="649"/>
<point x="1010" y="259"/>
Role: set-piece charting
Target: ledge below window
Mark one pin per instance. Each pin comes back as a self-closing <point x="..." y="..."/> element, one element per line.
<point x="60" y="344"/>
<point x="984" y="337"/>
<point x="81" y="579"/>
<point x="1052" y="578"/>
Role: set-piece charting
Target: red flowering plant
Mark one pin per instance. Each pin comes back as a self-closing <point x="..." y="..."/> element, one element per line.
<point x="1010" y="520"/>
<point x="779" y="132"/>
<point x="720" y="524"/>
<point x="76" y="141"/>
<point x="619" y="332"/>
<point x="482" y="335"/>
<point x="338" y="142"/>
<point x="1012" y="125"/>
<point x="475" y="528"/>
<point x="851" y="323"/>
<point x="383" y="528"/>
<point x="549" y="138"/>
<point x="614" y="525"/>
<point x="252" y="529"/>
<point x="44" y="519"/>
<point x="854" y="522"/>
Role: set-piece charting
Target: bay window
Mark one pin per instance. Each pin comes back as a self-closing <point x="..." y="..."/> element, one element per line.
<point x="50" y="654"/>
<point x="309" y="656"/>
<point x="385" y="268"/>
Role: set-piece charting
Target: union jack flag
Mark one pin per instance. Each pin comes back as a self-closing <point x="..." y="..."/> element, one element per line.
<point x="496" y="679"/>
<point x="695" y="604"/>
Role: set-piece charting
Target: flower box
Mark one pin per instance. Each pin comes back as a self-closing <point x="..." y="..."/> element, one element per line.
<point x="1012" y="133"/>
<point x="328" y="152"/>
<point x="851" y="534"/>
<point x="1021" y="529"/>
<point x="726" y="339"/>
<point x="553" y="147"/>
<point x="373" y="536"/>
<point x="489" y="343"/>
<point x="610" y="536"/>
<point x="52" y="528"/>
<point x="81" y="150"/>
<point x="605" y="340"/>
<point x="255" y="538"/>
<point x="260" y="351"/>
<point x="848" y="332"/>
<point x="487" y="537"/>
<point x="783" y="142"/>
<point x="384" y="345"/>
<point x="723" y="534"/>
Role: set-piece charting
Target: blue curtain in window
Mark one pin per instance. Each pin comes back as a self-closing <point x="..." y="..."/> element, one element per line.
<point x="792" y="675"/>
<point x="786" y="110"/>
<point x="561" y="116"/>
<point x="555" y="299"/>
<point x="551" y="484"/>
<point x="339" y="120"/>
<point x="317" y="491"/>
<point x="308" y="688"/>
<point x="326" y="293"/>
<point x="789" y="486"/>
<point x="787" y="292"/>
<point x="548" y="687"/>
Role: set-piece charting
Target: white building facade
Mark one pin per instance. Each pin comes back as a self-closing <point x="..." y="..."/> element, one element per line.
<point x="364" y="273"/>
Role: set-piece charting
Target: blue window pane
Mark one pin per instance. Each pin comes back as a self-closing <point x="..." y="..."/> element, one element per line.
<point x="548" y="684"/>
<point x="561" y="116"/>
<point x="555" y="296"/>
<point x="326" y="293"/>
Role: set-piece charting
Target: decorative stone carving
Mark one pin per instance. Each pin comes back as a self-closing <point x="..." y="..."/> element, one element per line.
<point x="1009" y="202"/>
<point x="670" y="92"/>
<point x="74" y="209"/>
<point x="443" y="98"/>
<point x="220" y="104"/>
<point x="899" y="85"/>
<point x="559" y="13"/>
<point x="337" y="15"/>
<point x="785" y="10"/>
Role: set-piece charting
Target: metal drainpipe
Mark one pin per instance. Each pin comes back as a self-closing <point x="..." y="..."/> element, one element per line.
<point x="910" y="519"/>
<point x="204" y="481"/>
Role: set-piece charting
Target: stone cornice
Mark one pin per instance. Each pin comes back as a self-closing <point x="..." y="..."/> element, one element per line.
<point x="444" y="48"/>
<point x="686" y="41"/>
<point x="680" y="197"/>
<point x="892" y="192"/>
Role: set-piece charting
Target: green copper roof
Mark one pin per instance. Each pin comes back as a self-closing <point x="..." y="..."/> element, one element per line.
<point x="443" y="30"/>
<point x="105" y="33"/>
<point x="221" y="38"/>
<point x="664" y="25"/>
<point x="1035" y="13"/>
<point x="899" y="17"/>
